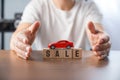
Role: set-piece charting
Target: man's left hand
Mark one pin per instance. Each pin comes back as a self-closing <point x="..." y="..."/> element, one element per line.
<point x="100" y="41"/>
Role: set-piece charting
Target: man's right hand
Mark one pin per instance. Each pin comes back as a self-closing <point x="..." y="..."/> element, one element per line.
<point x="22" y="40"/>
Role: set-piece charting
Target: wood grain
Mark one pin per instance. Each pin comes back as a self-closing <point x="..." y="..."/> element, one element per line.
<point x="37" y="68"/>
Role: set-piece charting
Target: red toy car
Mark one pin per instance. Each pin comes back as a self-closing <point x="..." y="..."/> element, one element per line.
<point x="61" y="44"/>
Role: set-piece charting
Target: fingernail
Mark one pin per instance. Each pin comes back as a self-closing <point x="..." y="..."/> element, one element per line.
<point x="95" y="53"/>
<point x="97" y="48"/>
<point x="28" y="49"/>
<point x="99" y="58"/>
<point x="93" y="48"/>
<point x="101" y="41"/>
<point x="26" y="54"/>
<point x="24" y="40"/>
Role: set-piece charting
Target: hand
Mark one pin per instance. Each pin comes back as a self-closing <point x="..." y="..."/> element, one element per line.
<point x="100" y="41"/>
<point x="21" y="42"/>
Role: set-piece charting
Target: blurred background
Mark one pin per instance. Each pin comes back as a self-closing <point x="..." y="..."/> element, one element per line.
<point x="11" y="11"/>
<point x="10" y="15"/>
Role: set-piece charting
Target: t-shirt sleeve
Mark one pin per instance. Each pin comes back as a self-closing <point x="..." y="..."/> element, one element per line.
<point x="93" y="14"/>
<point x="30" y="13"/>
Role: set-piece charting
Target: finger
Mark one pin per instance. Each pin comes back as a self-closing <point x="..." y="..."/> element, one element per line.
<point x="104" y="39"/>
<point x="102" y="57"/>
<point x="99" y="53"/>
<point x="21" y="53"/>
<point x="91" y="28"/>
<point x="28" y="50"/>
<point x="26" y="53"/>
<point x="21" y="56"/>
<point x="22" y="46"/>
<point x="102" y="47"/>
<point x="34" y="27"/>
<point x="23" y="38"/>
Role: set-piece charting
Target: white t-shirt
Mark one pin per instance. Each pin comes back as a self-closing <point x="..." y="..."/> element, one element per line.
<point x="57" y="24"/>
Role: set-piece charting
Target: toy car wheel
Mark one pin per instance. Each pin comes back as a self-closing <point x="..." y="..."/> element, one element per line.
<point x="52" y="47"/>
<point x="68" y="47"/>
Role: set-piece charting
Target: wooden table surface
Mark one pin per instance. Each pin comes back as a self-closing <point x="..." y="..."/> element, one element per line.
<point x="37" y="68"/>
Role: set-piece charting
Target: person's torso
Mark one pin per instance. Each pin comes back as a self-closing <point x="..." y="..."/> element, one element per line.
<point x="58" y="25"/>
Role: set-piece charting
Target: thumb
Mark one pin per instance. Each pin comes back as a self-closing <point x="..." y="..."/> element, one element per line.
<point x="91" y="28"/>
<point x="34" y="27"/>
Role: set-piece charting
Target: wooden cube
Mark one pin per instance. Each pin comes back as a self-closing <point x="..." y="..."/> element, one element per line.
<point x="48" y="53"/>
<point x="67" y="53"/>
<point x="77" y="53"/>
<point x="58" y="53"/>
